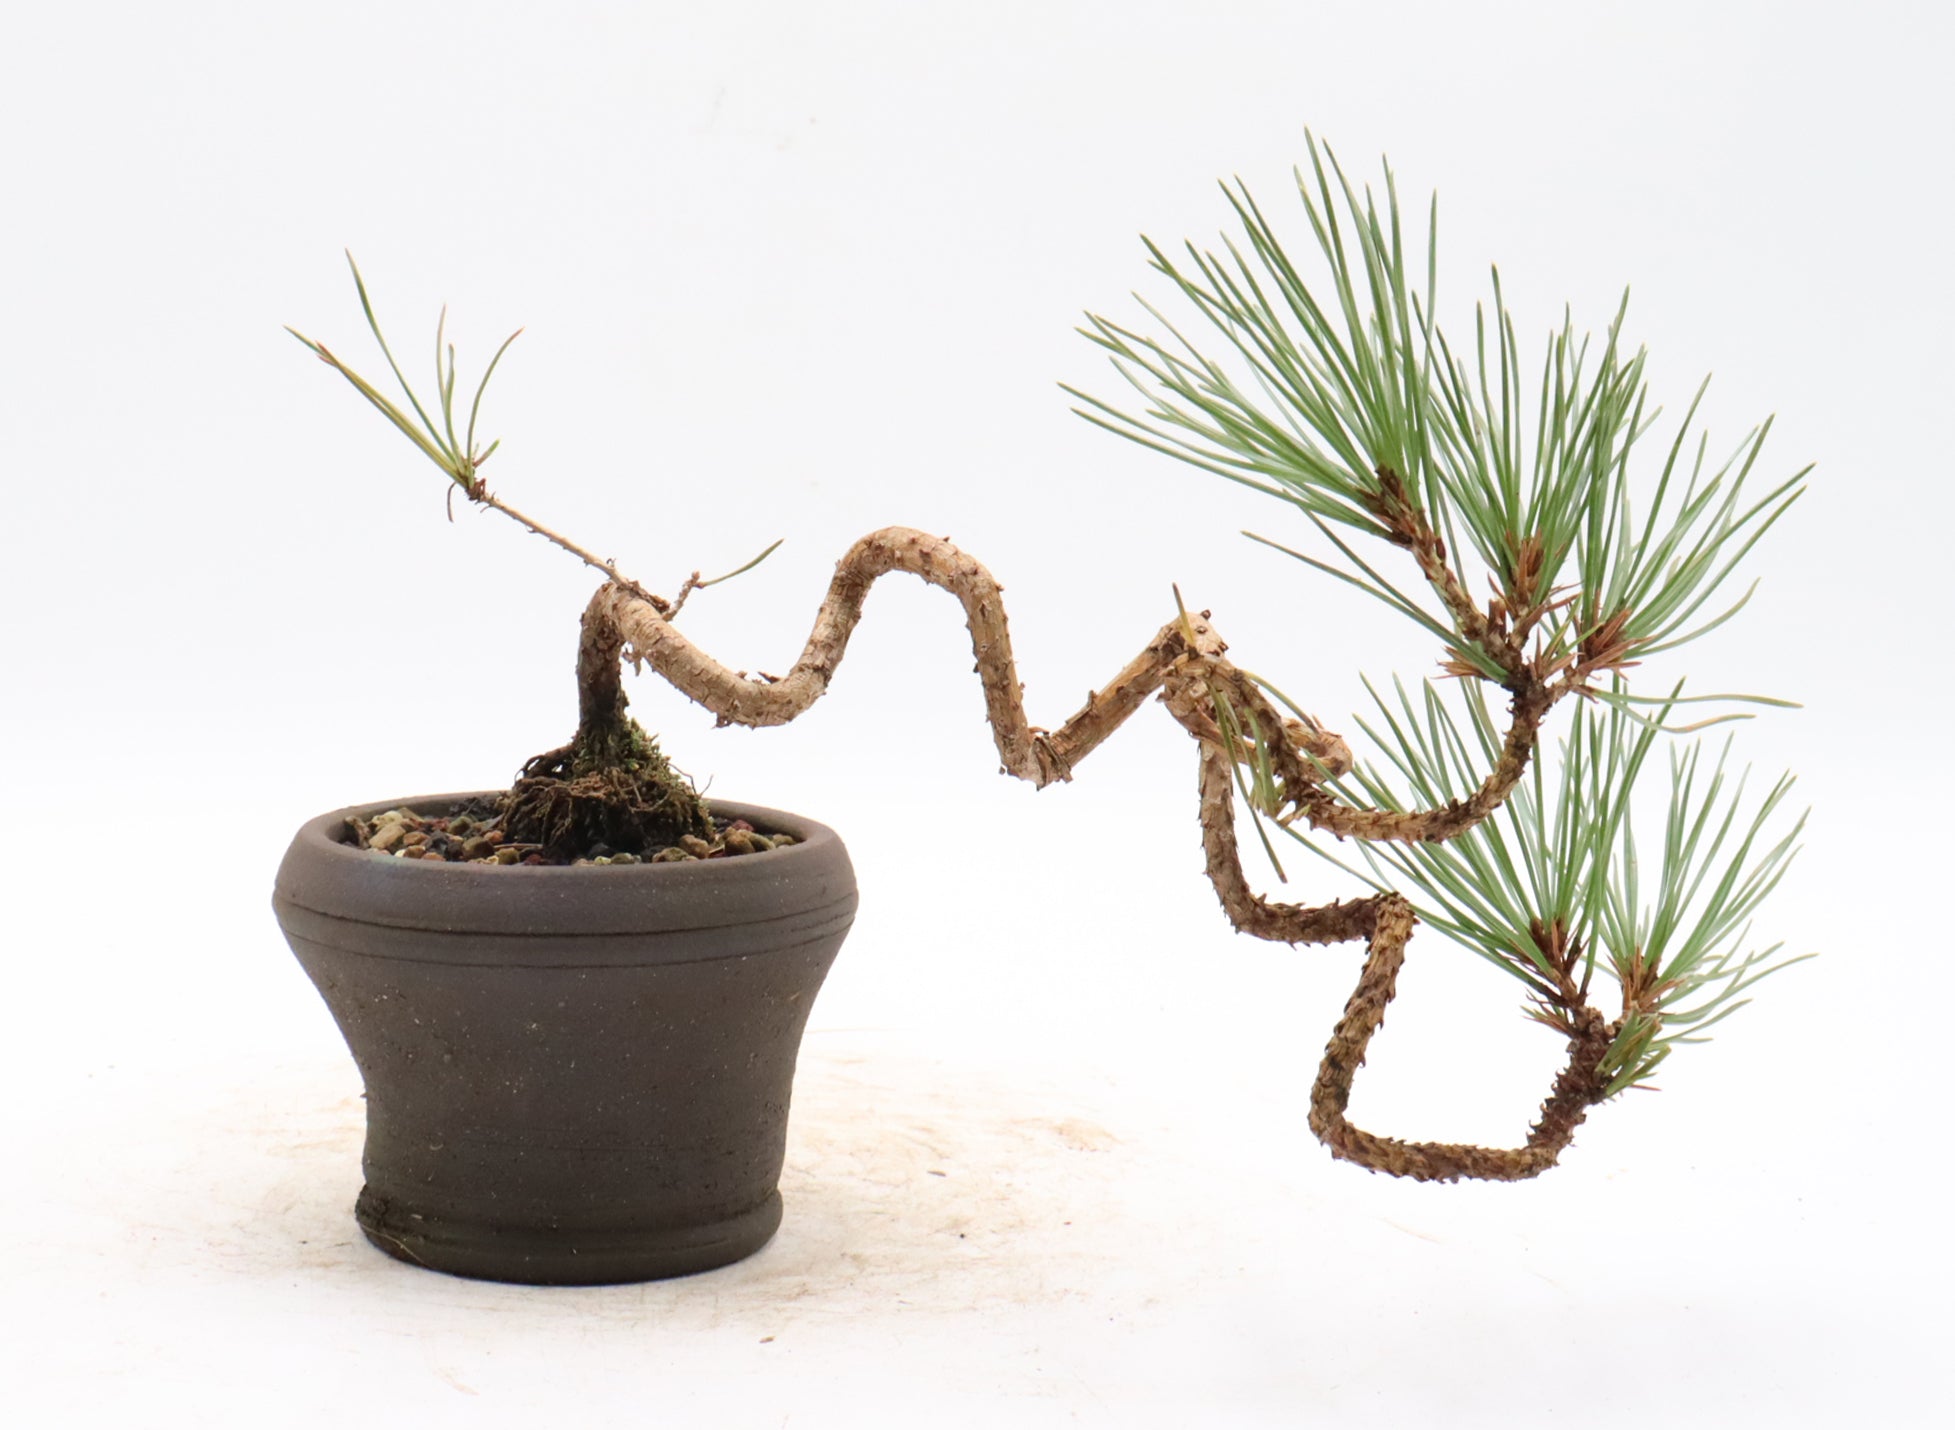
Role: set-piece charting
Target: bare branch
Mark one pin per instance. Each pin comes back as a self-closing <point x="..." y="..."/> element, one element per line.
<point x="1185" y="663"/>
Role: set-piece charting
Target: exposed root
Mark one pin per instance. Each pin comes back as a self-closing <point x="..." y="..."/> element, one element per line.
<point x="637" y="811"/>
<point x="611" y="784"/>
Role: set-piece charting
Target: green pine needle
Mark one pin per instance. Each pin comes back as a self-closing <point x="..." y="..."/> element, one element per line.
<point x="460" y="460"/>
<point x="1312" y="384"/>
<point x="1563" y="851"/>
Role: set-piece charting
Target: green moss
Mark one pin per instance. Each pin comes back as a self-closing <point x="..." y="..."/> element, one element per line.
<point x="612" y="785"/>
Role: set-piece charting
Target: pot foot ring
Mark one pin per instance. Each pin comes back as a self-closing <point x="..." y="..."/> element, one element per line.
<point x="548" y="1256"/>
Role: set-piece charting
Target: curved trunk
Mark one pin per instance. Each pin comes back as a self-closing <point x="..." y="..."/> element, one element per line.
<point x="611" y="787"/>
<point x="1186" y="666"/>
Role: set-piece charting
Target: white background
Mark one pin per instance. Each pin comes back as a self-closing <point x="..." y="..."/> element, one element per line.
<point x="804" y="271"/>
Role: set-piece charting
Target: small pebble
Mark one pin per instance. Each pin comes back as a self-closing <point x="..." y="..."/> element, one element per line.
<point x="474" y="838"/>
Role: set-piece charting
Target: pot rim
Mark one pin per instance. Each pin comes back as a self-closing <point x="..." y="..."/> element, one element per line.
<point x="324" y="875"/>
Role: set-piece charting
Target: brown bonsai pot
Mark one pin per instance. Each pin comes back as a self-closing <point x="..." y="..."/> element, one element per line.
<point x="574" y="1076"/>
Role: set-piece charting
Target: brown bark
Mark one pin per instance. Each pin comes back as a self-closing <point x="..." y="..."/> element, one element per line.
<point x="611" y="784"/>
<point x="1185" y="663"/>
<point x="1024" y="750"/>
<point x="1530" y="706"/>
<point x="1578" y="1086"/>
<point x="1406" y="525"/>
<point x="600" y="684"/>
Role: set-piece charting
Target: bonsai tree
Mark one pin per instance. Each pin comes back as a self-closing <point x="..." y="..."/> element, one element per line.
<point x="1426" y="475"/>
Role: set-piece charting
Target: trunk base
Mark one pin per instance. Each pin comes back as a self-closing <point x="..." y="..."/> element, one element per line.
<point x="612" y="785"/>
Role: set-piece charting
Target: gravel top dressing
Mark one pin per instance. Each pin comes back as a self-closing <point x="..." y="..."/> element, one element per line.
<point x="473" y="834"/>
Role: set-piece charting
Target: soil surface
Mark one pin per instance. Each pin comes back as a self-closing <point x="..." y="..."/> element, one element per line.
<point x="472" y="833"/>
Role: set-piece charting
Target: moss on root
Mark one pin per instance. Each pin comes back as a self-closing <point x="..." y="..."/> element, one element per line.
<point x="611" y="785"/>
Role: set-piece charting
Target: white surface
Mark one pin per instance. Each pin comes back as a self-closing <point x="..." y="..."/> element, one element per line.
<point x="806" y="271"/>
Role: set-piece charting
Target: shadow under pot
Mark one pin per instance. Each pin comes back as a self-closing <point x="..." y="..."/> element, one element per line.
<point x="574" y="1075"/>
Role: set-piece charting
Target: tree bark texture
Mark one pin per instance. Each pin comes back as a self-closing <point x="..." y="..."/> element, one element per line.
<point x="1185" y="664"/>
